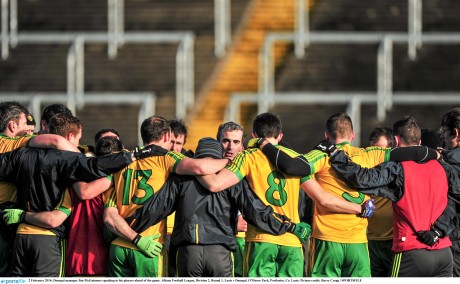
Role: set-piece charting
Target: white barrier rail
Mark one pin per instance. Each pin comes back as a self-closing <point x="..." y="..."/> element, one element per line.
<point x="146" y="100"/>
<point x="384" y="59"/>
<point x="185" y="96"/>
<point x="354" y="100"/>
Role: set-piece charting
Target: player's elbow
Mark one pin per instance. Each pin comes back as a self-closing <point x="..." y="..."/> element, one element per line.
<point x="85" y="195"/>
<point x="324" y="202"/>
<point x="84" y="190"/>
<point x="54" y="223"/>
<point x="200" y="170"/>
<point x="109" y="217"/>
<point x="214" y="186"/>
<point x="214" y="189"/>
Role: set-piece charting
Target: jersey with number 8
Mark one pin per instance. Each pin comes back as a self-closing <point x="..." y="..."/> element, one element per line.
<point x="274" y="188"/>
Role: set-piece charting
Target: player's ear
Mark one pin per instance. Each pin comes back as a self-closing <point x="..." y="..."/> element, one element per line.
<point x="280" y="136"/>
<point x="11" y="126"/>
<point x="397" y="140"/>
<point x="352" y="136"/>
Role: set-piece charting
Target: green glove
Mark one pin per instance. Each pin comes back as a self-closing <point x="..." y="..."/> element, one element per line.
<point x="149" y="246"/>
<point x="255" y="142"/>
<point x="13" y="216"/>
<point x="301" y="230"/>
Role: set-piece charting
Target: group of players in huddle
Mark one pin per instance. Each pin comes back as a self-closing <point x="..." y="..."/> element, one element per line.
<point x="70" y="214"/>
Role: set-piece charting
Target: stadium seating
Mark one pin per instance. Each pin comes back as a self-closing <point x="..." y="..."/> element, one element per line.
<point x="147" y="67"/>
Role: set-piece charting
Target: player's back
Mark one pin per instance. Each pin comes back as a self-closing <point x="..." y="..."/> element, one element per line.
<point x="274" y="188"/>
<point x="136" y="183"/>
<point x="342" y="228"/>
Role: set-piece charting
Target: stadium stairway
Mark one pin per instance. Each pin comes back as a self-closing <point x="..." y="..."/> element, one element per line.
<point x="238" y="71"/>
<point x="137" y="67"/>
<point x="348" y="67"/>
<point x="42" y="68"/>
<point x="353" y="67"/>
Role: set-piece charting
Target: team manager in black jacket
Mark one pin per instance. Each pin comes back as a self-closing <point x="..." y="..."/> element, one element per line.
<point x="205" y="223"/>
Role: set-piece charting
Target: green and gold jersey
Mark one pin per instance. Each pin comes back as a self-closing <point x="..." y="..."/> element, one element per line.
<point x="279" y="191"/>
<point x="65" y="205"/>
<point x="135" y="184"/>
<point x="8" y="144"/>
<point x="342" y="228"/>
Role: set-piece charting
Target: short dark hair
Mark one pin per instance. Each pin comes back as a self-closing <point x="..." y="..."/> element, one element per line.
<point x="228" y="127"/>
<point x="153" y="128"/>
<point x="10" y="111"/>
<point x="379" y="132"/>
<point x="408" y="130"/>
<point x="339" y="125"/>
<point x="451" y="121"/>
<point x="267" y="125"/>
<point x="430" y="138"/>
<point x="52" y="110"/>
<point x="63" y="124"/>
<point x="108" y="145"/>
<point x="103" y="131"/>
<point x="178" y="127"/>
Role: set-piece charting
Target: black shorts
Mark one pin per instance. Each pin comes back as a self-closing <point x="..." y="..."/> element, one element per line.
<point x="172" y="256"/>
<point x="381" y="257"/>
<point x="205" y="261"/>
<point x="38" y="256"/>
<point x="423" y="263"/>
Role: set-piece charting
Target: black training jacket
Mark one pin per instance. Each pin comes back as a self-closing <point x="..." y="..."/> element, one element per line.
<point x="387" y="180"/>
<point x="452" y="157"/>
<point x="203" y="217"/>
<point x="42" y="175"/>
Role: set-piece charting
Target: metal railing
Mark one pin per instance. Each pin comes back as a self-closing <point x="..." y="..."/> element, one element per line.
<point x="185" y="96"/>
<point x="222" y="27"/>
<point x="115" y="37"/>
<point x="115" y="25"/>
<point x="414" y="27"/>
<point x="302" y="26"/>
<point x="353" y="100"/>
<point x="146" y="100"/>
<point x="384" y="59"/>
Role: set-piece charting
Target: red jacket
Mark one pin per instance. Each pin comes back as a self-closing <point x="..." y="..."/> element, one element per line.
<point x="87" y="251"/>
<point x="424" y="200"/>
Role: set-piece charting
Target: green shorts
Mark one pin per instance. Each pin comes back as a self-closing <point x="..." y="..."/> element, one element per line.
<point x="238" y="256"/>
<point x="331" y="259"/>
<point x="125" y="262"/>
<point x="271" y="260"/>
